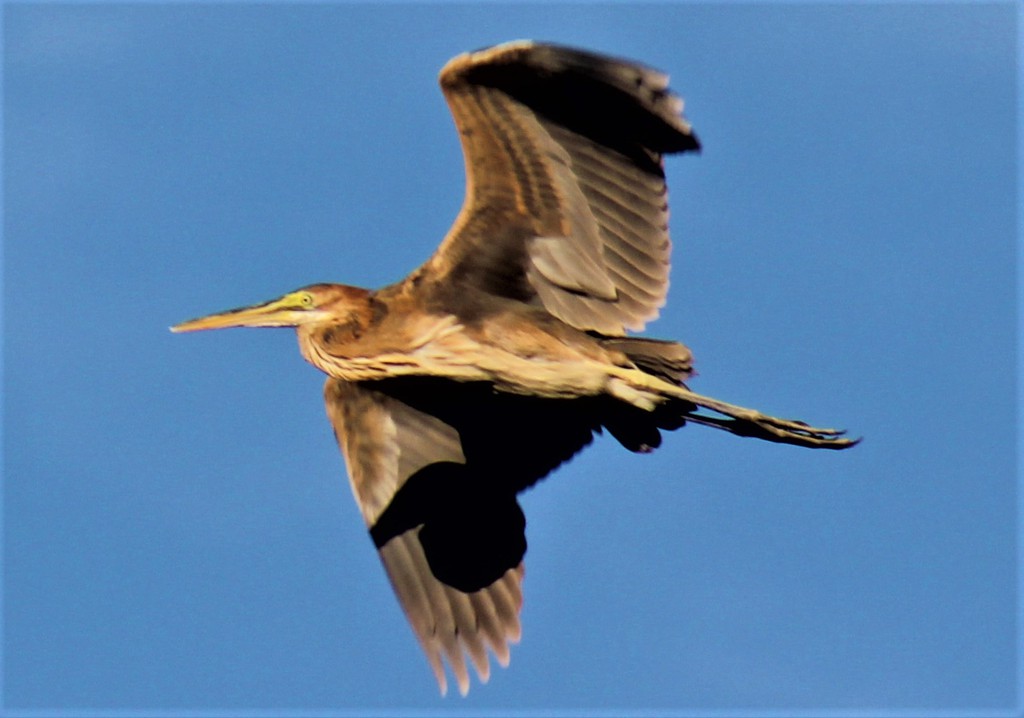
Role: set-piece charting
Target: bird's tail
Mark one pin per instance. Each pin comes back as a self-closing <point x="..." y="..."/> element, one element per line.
<point x="667" y="360"/>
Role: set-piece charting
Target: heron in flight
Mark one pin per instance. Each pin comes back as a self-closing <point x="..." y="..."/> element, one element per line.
<point x="499" y="358"/>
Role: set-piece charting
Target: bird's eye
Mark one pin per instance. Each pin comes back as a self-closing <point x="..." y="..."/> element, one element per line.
<point x="306" y="299"/>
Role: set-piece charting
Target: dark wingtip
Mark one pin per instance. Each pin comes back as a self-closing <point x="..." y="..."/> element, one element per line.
<point x="639" y="107"/>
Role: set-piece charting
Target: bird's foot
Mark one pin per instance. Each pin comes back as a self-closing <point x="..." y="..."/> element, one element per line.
<point x="772" y="428"/>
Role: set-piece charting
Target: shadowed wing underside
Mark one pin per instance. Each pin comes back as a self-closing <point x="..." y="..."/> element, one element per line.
<point x="566" y="205"/>
<point x="435" y="470"/>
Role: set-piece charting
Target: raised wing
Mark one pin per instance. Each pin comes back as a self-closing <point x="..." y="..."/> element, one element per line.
<point x="435" y="474"/>
<point x="566" y="205"/>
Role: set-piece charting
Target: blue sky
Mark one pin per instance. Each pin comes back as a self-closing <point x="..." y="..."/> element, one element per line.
<point x="178" y="529"/>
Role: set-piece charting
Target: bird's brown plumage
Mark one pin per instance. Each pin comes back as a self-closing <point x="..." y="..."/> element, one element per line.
<point x="566" y="204"/>
<point x="505" y="352"/>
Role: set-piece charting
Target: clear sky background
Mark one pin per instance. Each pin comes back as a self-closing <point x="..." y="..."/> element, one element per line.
<point x="178" y="528"/>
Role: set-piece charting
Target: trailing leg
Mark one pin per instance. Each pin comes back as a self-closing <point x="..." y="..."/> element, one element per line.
<point x="648" y="392"/>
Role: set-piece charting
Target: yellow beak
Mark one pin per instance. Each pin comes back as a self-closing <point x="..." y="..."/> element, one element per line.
<point x="281" y="312"/>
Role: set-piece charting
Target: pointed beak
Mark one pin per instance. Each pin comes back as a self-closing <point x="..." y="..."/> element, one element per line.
<point x="275" y="313"/>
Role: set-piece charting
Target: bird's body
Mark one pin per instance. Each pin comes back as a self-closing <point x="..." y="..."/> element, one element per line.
<point x="387" y="334"/>
<point x="515" y="349"/>
<point x="505" y="352"/>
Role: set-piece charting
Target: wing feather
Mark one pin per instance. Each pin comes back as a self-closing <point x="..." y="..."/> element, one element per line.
<point x="566" y="204"/>
<point x="624" y="270"/>
<point x="490" y="625"/>
<point x="435" y="467"/>
<point x="385" y="442"/>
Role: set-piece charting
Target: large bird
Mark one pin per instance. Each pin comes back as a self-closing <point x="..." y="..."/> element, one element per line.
<point x="501" y="356"/>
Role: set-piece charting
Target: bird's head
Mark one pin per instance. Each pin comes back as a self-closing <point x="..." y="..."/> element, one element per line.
<point x="309" y="305"/>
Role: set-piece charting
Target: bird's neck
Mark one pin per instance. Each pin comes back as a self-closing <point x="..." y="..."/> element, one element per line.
<point x="324" y="342"/>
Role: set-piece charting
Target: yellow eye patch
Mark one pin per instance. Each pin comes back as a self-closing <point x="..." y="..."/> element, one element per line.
<point x="300" y="300"/>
